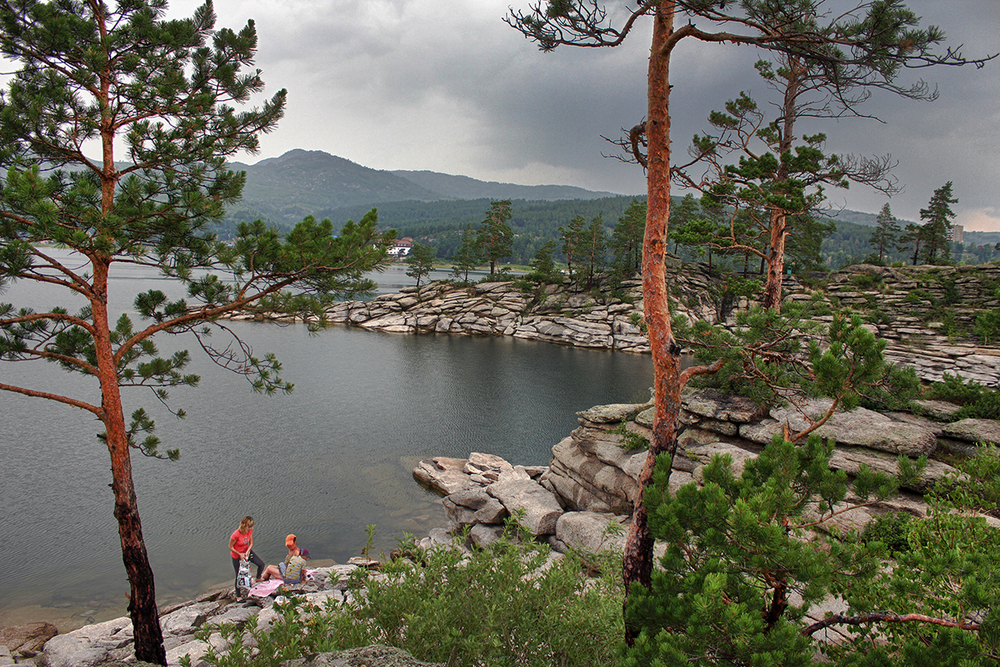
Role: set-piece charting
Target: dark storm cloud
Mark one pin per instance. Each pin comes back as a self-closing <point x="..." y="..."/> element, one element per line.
<point x="446" y="85"/>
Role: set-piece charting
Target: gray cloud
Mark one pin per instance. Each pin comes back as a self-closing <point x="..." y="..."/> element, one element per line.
<point x="446" y="85"/>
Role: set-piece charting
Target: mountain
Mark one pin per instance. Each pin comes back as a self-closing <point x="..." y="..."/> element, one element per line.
<point x="285" y="189"/>
<point x="301" y="182"/>
<point x="463" y="187"/>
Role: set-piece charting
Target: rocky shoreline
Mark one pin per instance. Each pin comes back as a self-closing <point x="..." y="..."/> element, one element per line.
<point x="582" y="500"/>
<point x="912" y="308"/>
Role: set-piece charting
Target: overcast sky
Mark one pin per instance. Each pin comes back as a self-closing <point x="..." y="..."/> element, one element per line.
<point x="445" y="85"/>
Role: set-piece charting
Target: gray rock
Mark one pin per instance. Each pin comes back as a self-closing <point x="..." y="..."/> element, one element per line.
<point x="443" y="475"/>
<point x="472" y="499"/>
<point x="88" y="645"/>
<point x="715" y="405"/>
<point x="589" y="531"/>
<point x="195" y="649"/>
<point x="186" y="619"/>
<point x="589" y="473"/>
<point x="941" y="410"/>
<point x="483" y="535"/>
<point x="483" y="463"/>
<point x="28" y="639"/>
<point x="613" y="413"/>
<point x="459" y="515"/>
<point x="541" y="509"/>
<point x="985" y="431"/>
<point x="493" y="512"/>
<point x="858" y="428"/>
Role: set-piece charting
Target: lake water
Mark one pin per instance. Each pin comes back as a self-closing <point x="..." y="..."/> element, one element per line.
<point x="323" y="462"/>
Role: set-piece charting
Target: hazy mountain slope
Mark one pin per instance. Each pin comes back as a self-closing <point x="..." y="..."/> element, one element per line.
<point x="285" y="189"/>
<point x="300" y="183"/>
<point x="464" y="187"/>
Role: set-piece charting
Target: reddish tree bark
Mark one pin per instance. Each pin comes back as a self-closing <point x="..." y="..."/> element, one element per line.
<point x="148" y="636"/>
<point x="638" y="554"/>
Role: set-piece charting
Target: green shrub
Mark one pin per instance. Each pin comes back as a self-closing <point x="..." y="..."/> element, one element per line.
<point x="891" y="529"/>
<point x="977" y="400"/>
<point x="868" y="281"/>
<point x="987" y="327"/>
<point x="631" y="441"/>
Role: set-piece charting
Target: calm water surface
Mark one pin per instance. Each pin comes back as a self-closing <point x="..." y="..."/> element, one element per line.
<point x="323" y="462"/>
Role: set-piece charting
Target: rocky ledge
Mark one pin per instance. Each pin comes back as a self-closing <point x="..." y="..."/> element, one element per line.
<point x="110" y="644"/>
<point x="907" y="307"/>
<point x="591" y="482"/>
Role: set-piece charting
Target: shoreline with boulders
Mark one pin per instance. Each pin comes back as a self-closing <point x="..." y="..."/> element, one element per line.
<point x="916" y="310"/>
<point x="582" y="500"/>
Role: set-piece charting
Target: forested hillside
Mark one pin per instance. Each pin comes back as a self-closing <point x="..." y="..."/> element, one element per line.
<point x="435" y="209"/>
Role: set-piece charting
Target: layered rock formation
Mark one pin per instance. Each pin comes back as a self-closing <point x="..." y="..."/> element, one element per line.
<point x="591" y="482"/>
<point x="925" y="313"/>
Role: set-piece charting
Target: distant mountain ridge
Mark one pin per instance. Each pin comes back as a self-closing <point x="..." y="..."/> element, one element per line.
<point x="464" y="187"/>
<point x="307" y="182"/>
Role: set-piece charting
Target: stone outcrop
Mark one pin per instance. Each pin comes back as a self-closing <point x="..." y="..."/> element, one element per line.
<point x="925" y="313"/>
<point x="110" y="643"/>
<point x="24" y="641"/>
<point x="583" y="500"/>
<point x="592" y="481"/>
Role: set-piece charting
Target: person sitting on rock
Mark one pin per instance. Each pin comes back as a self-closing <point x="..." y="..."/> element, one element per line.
<point x="293" y="569"/>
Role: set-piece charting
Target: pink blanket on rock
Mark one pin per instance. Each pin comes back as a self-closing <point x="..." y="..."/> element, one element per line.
<point x="265" y="588"/>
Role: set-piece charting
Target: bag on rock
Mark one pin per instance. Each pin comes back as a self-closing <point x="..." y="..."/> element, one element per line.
<point x="244" y="582"/>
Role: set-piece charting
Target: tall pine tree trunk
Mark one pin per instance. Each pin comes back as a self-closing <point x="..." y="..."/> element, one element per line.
<point x="148" y="636"/>
<point x="638" y="556"/>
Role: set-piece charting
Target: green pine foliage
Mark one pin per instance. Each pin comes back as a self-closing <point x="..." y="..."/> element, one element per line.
<point x="626" y="242"/>
<point x="767" y="353"/>
<point x="738" y="573"/>
<point x="496" y="238"/>
<point x="936" y="230"/>
<point x="976" y="400"/>
<point x="950" y="572"/>
<point x="885" y="235"/>
<point x="420" y="261"/>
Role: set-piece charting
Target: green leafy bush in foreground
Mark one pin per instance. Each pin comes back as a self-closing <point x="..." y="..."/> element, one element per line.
<point x="508" y="604"/>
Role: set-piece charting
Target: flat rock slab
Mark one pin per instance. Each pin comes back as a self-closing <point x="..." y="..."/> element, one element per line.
<point x="541" y="509"/>
<point x="857" y="428"/>
<point x="443" y="474"/>
<point x="612" y="413"/>
<point x="985" y="431"/>
<point x="27" y="639"/>
<point x="593" y="532"/>
<point x="716" y="405"/>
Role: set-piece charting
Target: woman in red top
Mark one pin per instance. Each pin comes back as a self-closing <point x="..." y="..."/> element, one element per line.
<point x="241" y="546"/>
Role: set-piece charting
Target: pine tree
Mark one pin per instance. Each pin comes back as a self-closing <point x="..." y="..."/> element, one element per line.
<point x="573" y="245"/>
<point x="887" y="233"/>
<point x="468" y="256"/>
<point x="420" y="261"/>
<point x="937" y="219"/>
<point x="594" y="250"/>
<point x="543" y="265"/>
<point x="874" y="41"/>
<point x="626" y="241"/>
<point x="496" y="238"/>
<point x="93" y="79"/>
